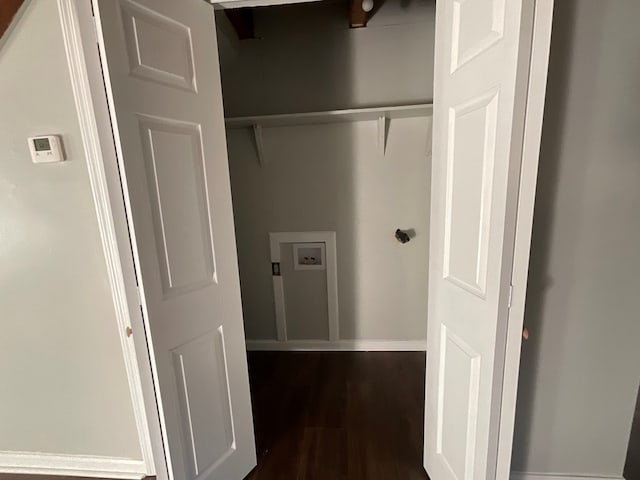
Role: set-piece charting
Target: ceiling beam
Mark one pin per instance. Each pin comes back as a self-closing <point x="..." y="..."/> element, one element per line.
<point x="357" y="16"/>
<point x="8" y="10"/>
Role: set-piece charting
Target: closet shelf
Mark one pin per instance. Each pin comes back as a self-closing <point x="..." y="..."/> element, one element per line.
<point x="383" y="115"/>
<point x="332" y="116"/>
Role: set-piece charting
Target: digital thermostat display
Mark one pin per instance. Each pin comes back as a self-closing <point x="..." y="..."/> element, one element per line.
<point x="46" y="149"/>
<point x="41" y="144"/>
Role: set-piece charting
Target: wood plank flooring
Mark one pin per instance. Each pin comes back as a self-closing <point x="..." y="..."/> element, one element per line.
<point x="338" y="415"/>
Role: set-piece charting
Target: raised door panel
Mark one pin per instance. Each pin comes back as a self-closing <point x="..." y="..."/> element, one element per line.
<point x="458" y="390"/>
<point x="470" y="160"/>
<point x="159" y="48"/>
<point x="175" y="170"/>
<point x="476" y="26"/>
<point x="202" y="379"/>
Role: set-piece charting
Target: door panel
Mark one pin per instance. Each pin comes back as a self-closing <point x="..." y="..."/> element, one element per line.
<point x="163" y="83"/>
<point x="482" y="54"/>
<point x="475" y="27"/>
<point x="178" y="196"/>
<point x="205" y="404"/>
<point x="469" y="191"/>
<point x="459" y="378"/>
<point x="159" y="48"/>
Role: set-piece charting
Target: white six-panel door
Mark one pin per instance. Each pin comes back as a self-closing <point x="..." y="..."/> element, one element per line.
<point x="480" y="93"/>
<point x="161" y="70"/>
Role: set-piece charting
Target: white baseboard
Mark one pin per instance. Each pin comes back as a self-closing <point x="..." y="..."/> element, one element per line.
<point x="558" y="476"/>
<point x="339" y="345"/>
<point x="73" y="465"/>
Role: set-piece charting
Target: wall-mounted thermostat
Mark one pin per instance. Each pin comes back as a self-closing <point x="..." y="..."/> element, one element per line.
<point x="46" y="149"/>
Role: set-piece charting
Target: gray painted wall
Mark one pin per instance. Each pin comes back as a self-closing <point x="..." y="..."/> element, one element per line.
<point x="581" y="365"/>
<point x="308" y="59"/>
<point x="63" y="385"/>
<point x="331" y="177"/>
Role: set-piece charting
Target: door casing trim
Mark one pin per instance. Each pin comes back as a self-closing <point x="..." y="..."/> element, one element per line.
<point x="81" y="40"/>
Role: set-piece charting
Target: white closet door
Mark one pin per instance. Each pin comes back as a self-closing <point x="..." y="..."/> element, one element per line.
<point x="483" y="49"/>
<point x="160" y="62"/>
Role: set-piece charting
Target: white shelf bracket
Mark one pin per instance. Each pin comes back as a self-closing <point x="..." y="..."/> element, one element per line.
<point x="383" y="133"/>
<point x="257" y="134"/>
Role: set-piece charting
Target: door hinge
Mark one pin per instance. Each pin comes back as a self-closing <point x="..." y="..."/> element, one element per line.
<point x="510" y="296"/>
<point x="275" y="269"/>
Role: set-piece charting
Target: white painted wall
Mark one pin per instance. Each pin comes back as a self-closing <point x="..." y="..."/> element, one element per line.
<point x="63" y="382"/>
<point x="332" y="178"/>
<point x="307" y="58"/>
<point x="581" y="365"/>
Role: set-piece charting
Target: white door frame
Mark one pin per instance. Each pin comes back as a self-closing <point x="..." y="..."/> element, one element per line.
<point x="81" y="45"/>
<point x="85" y="67"/>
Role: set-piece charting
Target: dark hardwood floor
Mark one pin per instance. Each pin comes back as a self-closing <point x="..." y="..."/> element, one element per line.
<point x="338" y="415"/>
<point x="632" y="465"/>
